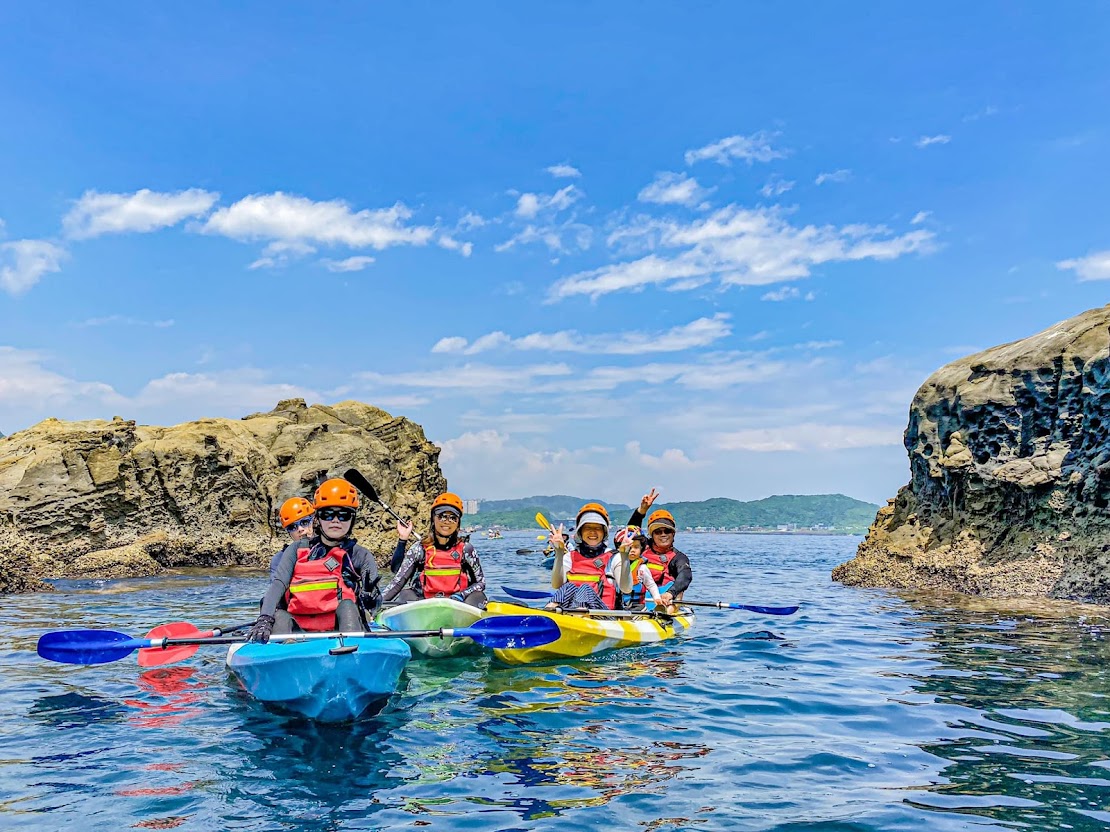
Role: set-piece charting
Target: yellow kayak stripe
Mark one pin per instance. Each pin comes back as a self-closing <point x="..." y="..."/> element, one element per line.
<point x="586" y="635"/>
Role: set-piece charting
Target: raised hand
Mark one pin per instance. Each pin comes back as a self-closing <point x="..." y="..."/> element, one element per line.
<point x="404" y="530"/>
<point x="648" y="499"/>
<point x="558" y="537"/>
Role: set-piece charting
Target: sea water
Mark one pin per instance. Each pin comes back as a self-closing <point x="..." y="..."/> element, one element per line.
<point x="867" y="710"/>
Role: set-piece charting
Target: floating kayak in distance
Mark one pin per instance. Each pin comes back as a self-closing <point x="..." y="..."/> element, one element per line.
<point x="325" y="679"/>
<point x="432" y="614"/>
<point x="585" y="635"/>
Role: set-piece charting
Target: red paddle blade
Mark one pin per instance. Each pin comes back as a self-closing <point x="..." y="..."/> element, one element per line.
<point x="155" y="656"/>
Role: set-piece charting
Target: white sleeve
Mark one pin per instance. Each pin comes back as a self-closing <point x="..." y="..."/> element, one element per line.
<point x="618" y="566"/>
<point x="560" y="568"/>
<point x="643" y="574"/>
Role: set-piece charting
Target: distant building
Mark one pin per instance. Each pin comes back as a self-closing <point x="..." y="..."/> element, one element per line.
<point x="471" y="506"/>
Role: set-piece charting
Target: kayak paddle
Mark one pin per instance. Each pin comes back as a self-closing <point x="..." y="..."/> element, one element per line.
<point x="535" y="595"/>
<point x="102" y="646"/>
<point x="355" y="478"/>
<point x="155" y="656"/>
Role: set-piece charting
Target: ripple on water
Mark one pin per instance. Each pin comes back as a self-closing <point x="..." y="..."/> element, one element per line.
<point x="865" y="711"/>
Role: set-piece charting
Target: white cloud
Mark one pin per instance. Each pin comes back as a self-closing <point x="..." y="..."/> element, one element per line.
<point x="807" y="438"/>
<point x="987" y="112"/>
<point x="920" y="217"/>
<point x="232" y="391"/>
<point x="473" y="378"/>
<point x="776" y="186"/>
<point x="559" y="238"/>
<point x="740" y="246"/>
<point x="125" y="320"/>
<point x="280" y="252"/>
<point x="471" y="220"/>
<point x="699" y="333"/>
<point x="785" y="293"/>
<point x="1092" y="267"/>
<point x="349" y="264"/>
<point x="27" y="388"/>
<point x="842" y="175"/>
<point x="670" y="460"/>
<point x="754" y="148"/>
<point x="925" y="141"/>
<point x="670" y="188"/>
<point x="143" y="211"/>
<point x="298" y="220"/>
<point x="564" y="171"/>
<point x="24" y="262"/>
<point x="451" y="244"/>
<point x="530" y="205"/>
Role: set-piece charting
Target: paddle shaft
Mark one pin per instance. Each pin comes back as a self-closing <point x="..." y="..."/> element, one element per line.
<point x="355" y="478"/>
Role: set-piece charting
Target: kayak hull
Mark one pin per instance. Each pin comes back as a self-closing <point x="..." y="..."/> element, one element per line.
<point x="433" y="614"/>
<point x="584" y="635"/>
<point x="307" y="678"/>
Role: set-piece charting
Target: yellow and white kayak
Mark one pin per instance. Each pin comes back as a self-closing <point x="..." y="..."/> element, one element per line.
<point x="584" y="635"/>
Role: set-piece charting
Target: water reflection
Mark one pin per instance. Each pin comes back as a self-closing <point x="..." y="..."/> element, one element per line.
<point x="1030" y="718"/>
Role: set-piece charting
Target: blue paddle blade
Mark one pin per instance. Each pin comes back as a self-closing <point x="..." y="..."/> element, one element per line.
<point x="511" y="631"/>
<point x="87" y="646"/>
<point x="527" y="594"/>
<point x="764" y="610"/>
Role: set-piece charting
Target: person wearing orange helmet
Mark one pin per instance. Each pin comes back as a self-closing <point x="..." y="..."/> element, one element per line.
<point x="669" y="567"/>
<point x="325" y="583"/>
<point x="443" y="565"/>
<point x="590" y="575"/>
<point x="298" y="518"/>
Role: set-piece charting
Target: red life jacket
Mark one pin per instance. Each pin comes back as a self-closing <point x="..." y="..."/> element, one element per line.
<point x="443" y="571"/>
<point x="657" y="562"/>
<point x="316" y="588"/>
<point x="594" y="571"/>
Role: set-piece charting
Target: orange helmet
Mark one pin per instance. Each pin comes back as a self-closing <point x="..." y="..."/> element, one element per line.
<point x="661" y="517"/>
<point x="335" y="492"/>
<point x="294" y="509"/>
<point x="449" y="500"/>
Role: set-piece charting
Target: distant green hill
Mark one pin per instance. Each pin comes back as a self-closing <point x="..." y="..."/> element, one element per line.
<point x="811" y="512"/>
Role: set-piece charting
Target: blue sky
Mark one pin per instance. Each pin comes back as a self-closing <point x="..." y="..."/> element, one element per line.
<point x="591" y="248"/>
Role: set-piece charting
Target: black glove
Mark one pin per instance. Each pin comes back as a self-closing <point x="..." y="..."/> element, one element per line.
<point x="260" y="632"/>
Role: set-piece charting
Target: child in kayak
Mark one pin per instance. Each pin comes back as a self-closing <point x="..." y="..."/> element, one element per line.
<point x="632" y="542"/>
<point x="670" y="567"/>
<point x="443" y="565"/>
<point x="589" y="575"/>
<point x="297" y="517"/>
<point x="320" y="583"/>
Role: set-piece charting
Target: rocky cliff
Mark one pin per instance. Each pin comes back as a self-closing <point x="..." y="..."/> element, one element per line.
<point x="1009" y="474"/>
<point x="113" y="499"/>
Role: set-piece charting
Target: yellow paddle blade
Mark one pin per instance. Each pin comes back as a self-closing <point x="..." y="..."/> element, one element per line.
<point x="541" y="537"/>
<point x="543" y="521"/>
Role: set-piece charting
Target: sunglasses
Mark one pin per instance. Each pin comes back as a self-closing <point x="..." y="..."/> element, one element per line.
<point x="341" y="514"/>
<point x="662" y="532"/>
<point x="303" y="523"/>
<point x="446" y="515"/>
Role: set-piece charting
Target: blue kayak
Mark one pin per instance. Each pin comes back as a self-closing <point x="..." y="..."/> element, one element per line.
<point x="321" y="676"/>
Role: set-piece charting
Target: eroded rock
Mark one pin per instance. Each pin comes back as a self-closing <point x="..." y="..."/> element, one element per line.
<point x="113" y="499"/>
<point x="1009" y="474"/>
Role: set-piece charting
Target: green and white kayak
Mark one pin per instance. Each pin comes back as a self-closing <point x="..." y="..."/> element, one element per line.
<point x="432" y="614"/>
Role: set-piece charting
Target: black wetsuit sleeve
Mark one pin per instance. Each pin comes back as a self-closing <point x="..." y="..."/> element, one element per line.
<point x="637" y="518"/>
<point x="282" y="575"/>
<point x="398" y="555"/>
<point x="408" y="568"/>
<point x="679" y="567"/>
<point x="361" y="568"/>
<point x="474" y="566"/>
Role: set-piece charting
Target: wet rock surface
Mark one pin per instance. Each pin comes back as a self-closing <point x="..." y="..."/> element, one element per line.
<point x="1009" y="486"/>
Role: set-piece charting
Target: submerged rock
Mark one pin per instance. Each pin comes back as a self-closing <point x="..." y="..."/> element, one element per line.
<point x="1009" y="474"/>
<point x="109" y="499"/>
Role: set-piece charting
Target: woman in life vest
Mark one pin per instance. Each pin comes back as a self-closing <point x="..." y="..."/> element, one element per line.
<point x="444" y="565"/>
<point x="589" y="575"/>
<point x="297" y="517"/>
<point x="632" y="542"/>
<point x="318" y="583"/>
<point x="670" y="567"/>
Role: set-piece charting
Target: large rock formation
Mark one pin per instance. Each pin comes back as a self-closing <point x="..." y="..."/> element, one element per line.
<point x="114" y="499"/>
<point x="1010" y="474"/>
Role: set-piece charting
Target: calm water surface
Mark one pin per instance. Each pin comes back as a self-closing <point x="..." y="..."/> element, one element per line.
<point x="865" y="711"/>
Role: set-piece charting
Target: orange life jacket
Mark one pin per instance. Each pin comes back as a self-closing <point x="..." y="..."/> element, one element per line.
<point x="443" y="571"/>
<point x="316" y="588"/>
<point x="594" y="571"/>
